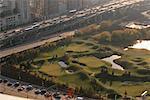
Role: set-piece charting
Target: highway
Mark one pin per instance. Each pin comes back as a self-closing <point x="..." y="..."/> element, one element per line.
<point x="53" y="38"/>
<point x="73" y="15"/>
<point x="146" y="14"/>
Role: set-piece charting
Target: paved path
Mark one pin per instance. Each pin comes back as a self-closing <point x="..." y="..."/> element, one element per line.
<point x="9" y="51"/>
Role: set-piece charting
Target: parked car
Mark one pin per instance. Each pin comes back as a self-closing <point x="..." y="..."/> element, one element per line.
<point x="29" y="88"/>
<point x="20" y="89"/>
<point x="38" y="91"/>
<point x="43" y="91"/>
<point x="1" y="80"/>
<point x="9" y="84"/>
<point x="16" y="84"/>
<point x="79" y="98"/>
<point x="57" y="96"/>
<point x="5" y="81"/>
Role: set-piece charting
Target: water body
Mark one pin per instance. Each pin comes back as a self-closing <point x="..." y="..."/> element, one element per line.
<point x="111" y="60"/>
<point x="144" y="44"/>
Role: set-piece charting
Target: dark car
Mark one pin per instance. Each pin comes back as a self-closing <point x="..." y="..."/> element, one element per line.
<point x="9" y="84"/>
<point x="47" y="94"/>
<point x="38" y="91"/>
<point x="5" y="81"/>
<point x="29" y="88"/>
<point x="57" y="96"/>
<point x="43" y="91"/>
<point x="16" y="84"/>
<point x="20" y="89"/>
<point x="1" y="80"/>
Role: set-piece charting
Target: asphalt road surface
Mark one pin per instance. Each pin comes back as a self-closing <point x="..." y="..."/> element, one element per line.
<point x="53" y="38"/>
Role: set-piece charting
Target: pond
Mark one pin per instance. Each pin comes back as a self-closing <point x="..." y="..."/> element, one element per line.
<point x="143" y="44"/>
<point x="111" y="60"/>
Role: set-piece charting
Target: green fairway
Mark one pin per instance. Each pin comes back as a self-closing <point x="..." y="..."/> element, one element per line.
<point x="136" y="60"/>
<point x="60" y="51"/>
<point x="52" y="69"/>
<point x="92" y="62"/>
<point x="78" y="48"/>
<point x="75" y="80"/>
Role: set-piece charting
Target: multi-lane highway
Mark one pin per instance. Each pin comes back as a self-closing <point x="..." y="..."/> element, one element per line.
<point x="27" y="46"/>
<point x="72" y="15"/>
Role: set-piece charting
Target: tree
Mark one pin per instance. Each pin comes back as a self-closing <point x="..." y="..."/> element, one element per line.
<point x="105" y="37"/>
<point x="105" y="24"/>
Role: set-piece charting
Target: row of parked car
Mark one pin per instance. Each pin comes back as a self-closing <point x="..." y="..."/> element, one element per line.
<point x="36" y="91"/>
<point x="26" y="88"/>
<point x="5" y="81"/>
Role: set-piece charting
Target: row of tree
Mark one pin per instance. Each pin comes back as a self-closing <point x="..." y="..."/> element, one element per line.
<point x="122" y="37"/>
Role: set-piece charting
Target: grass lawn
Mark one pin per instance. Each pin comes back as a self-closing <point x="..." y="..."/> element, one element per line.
<point x="92" y="62"/>
<point x="136" y="59"/>
<point x="52" y="69"/>
<point x="133" y="89"/>
<point x="138" y="52"/>
<point x="60" y="51"/>
<point x="75" y="80"/>
<point x="78" y="47"/>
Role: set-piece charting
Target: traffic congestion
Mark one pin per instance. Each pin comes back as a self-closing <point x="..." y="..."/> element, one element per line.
<point x="72" y="15"/>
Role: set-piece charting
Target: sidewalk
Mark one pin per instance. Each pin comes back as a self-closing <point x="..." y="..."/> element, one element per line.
<point x="9" y="97"/>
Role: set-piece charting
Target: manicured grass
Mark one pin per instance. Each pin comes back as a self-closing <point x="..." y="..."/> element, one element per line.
<point x="136" y="59"/>
<point x="52" y="69"/>
<point x="75" y="80"/>
<point x="60" y="51"/>
<point x="92" y="62"/>
<point x="78" y="47"/>
<point x="138" y="52"/>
